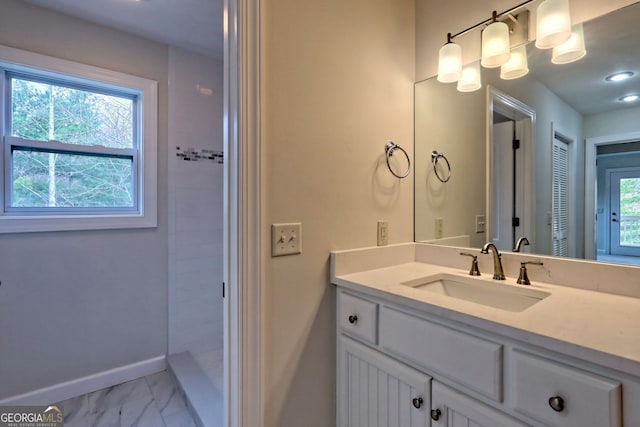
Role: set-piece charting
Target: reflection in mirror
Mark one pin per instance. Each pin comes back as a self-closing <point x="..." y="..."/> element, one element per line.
<point x="553" y="156"/>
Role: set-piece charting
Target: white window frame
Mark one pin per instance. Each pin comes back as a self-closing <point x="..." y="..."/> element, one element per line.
<point x="144" y="213"/>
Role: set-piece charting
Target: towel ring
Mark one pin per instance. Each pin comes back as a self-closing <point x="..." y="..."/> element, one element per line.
<point x="434" y="159"/>
<point x="389" y="149"/>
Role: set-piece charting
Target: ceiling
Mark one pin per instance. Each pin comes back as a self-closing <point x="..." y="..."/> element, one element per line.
<point x="195" y="25"/>
<point x="613" y="45"/>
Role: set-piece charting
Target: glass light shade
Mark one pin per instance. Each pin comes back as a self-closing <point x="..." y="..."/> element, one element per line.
<point x="495" y="45"/>
<point x="517" y="66"/>
<point x="449" y="63"/>
<point x="571" y="50"/>
<point x="553" y="25"/>
<point x="470" y="79"/>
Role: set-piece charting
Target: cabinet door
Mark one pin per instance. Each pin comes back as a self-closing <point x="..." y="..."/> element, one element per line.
<point x="377" y="391"/>
<point x="453" y="409"/>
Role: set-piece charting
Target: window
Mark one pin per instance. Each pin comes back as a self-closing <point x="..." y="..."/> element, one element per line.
<point x="79" y="146"/>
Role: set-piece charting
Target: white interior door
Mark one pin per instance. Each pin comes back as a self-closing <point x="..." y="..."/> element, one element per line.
<point x="625" y="211"/>
<point x="502" y="233"/>
<point x="508" y="212"/>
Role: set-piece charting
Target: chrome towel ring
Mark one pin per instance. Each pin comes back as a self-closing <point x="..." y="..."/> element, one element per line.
<point x="389" y="149"/>
<point x="434" y="159"/>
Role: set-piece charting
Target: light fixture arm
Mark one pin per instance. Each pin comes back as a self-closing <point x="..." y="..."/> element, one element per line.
<point x="493" y="18"/>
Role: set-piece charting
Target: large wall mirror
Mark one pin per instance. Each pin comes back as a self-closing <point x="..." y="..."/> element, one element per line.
<point x="571" y="182"/>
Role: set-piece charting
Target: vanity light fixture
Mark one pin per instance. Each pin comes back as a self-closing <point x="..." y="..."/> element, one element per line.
<point x="470" y="79"/>
<point x="629" y="98"/>
<point x="571" y="50"/>
<point x="496" y="47"/>
<point x="554" y="23"/>
<point x="517" y="66"/>
<point x="618" y="77"/>
<point x="449" y="62"/>
<point x="553" y="29"/>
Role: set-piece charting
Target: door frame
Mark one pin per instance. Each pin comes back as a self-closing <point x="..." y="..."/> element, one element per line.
<point x="242" y="230"/>
<point x="590" y="177"/>
<point x="513" y="109"/>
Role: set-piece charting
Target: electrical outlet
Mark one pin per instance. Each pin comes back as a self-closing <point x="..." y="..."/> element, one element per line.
<point x="383" y="233"/>
<point x="286" y="239"/>
<point x="480" y="224"/>
<point x="439" y="228"/>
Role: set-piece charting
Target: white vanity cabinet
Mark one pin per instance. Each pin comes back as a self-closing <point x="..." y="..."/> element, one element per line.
<point x="401" y="367"/>
<point x="454" y="409"/>
<point x="376" y="390"/>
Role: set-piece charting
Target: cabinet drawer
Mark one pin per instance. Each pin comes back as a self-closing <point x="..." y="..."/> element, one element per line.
<point x="580" y="398"/>
<point x="358" y="317"/>
<point x="470" y="361"/>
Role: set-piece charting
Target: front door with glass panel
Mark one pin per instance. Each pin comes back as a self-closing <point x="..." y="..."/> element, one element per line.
<point x="625" y="211"/>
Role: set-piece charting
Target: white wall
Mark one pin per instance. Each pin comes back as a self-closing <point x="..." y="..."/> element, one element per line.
<point x="76" y="303"/>
<point x="552" y="113"/>
<point x="337" y="84"/>
<point x="195" y="206"/>
<point x="624" y="120"/>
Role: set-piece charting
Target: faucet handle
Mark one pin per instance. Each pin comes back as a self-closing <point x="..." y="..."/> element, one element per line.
<point x="523" y="277"/>
<point x="475" y="271"/>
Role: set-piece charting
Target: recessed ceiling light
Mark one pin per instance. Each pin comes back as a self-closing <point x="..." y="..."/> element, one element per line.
<point x="618" y="77"/>
<point x="629" y="98"/>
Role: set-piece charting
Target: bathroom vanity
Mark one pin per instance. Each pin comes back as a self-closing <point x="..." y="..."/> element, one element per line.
<point x="421" y="343"/>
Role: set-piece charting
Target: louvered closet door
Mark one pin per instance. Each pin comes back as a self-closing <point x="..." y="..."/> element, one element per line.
<point x="560" y="209"/>
<point x="377" y="391"/>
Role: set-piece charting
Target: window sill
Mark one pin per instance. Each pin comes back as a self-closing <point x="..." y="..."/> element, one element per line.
<point x="22" y="224"/>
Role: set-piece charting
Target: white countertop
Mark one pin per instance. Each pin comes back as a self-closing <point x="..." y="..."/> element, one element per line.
<point x="594" y="326"/>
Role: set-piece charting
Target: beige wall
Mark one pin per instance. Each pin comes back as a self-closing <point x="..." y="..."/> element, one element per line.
<point x="453" y="123"/>
<point x="76" y="303"/>
<point x="337" y="84"/>
<point x="436" y="18"/>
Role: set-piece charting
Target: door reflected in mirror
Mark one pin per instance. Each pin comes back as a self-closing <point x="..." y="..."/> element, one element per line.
<point x="553" y="156"/>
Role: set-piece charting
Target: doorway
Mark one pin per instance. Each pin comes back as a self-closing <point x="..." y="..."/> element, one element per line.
<point x="509" y="159"/>
<point x="624" y="211"/>
<point x="613" y="173"/>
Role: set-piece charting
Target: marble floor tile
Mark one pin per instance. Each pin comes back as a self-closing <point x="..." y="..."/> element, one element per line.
<point x="138" y="413"/>
<point x="153" y="401"/>
<point x="76" y="411"/>
<point x="166" y="394"/>
<point x="180" y="419"/>
<point x="117" y="395"/>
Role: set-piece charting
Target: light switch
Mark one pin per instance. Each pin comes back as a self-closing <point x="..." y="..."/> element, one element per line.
<point x="286" y="239"/>
<point x="439" y="228"/>
<point x="383" y="233"/>
<point x="480" y="224"/>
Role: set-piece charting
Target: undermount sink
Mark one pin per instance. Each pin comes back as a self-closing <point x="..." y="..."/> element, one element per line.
<point x="492" y="294"/>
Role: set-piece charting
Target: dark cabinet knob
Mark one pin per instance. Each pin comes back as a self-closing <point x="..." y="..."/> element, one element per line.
<point x="435" y="414"/>
<point x="353" y="319"/>
<point x="556" y="403"/>
<point x="417" y="402"/>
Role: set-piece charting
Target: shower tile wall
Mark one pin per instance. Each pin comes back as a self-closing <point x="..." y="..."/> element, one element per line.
<point x="195" y="209"/>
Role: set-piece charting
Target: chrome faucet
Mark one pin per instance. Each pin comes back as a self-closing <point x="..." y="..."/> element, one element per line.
<point x="498" y="273"/>
<point x="521" y="241"/>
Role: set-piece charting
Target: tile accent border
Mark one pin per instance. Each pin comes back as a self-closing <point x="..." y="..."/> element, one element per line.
<point x="193" y="155"/>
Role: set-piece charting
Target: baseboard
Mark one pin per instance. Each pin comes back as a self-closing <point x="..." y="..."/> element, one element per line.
<point x="88" y="384"/>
